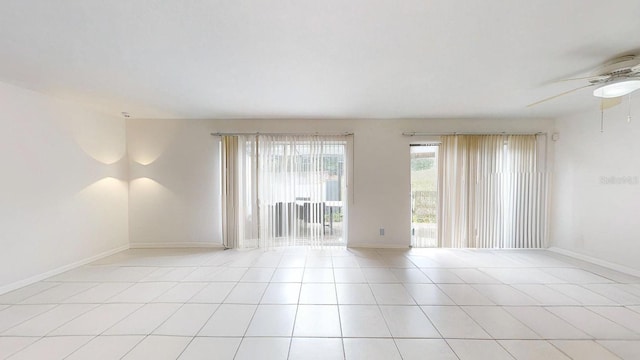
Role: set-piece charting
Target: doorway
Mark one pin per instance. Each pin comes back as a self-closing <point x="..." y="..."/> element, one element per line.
<point x="424" y="195"/>
<point x="284" y="190"/>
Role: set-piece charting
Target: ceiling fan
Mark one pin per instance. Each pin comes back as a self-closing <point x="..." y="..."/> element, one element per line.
<point x="614" y="79"/>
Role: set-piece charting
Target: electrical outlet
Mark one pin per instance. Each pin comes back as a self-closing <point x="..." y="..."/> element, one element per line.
<point x="381" y="231"/>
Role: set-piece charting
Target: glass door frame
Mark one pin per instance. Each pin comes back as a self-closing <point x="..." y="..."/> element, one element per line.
<point x="433" y="236"/>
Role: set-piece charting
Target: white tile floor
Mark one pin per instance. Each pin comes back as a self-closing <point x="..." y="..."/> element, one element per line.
<point x="327" y="303"/>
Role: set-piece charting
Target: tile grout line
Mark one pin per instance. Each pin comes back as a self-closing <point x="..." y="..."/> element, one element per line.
<point x="252" y="316"/>
<point x="170" y="316"/>
<point x="145" y="336"/>
<point x="335" y="289"/>
<point x="393" y="265"/>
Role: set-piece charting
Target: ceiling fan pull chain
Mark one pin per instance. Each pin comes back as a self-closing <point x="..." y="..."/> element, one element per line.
<point x="629" y="114"/>
<point x="601" y="120"/>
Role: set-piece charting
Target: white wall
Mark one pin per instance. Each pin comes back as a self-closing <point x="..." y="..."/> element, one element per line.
<point x="65" y="197"/>
<point x="174" y="190"/>
<point x="63" y="185"/>
<point x="591" y="218"/>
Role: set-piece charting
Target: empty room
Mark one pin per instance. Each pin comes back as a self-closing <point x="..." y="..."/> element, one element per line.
<point x="336" y="180"/>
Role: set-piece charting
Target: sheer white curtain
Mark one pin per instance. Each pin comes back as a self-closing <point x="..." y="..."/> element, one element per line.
<point x="284" y="190"/>
<point x="491" y="193"/>
<point x="293" y="175"/>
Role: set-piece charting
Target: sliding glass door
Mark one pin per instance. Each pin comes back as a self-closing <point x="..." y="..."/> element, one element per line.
<point x="424" y="195"/>
<point x="293" y="190"/>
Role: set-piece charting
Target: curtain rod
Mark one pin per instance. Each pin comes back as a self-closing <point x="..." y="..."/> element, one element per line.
<point x="283" y="134"/>
<point x="467" y="133"/>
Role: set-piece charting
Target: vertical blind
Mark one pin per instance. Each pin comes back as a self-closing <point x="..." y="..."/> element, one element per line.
<point x="239" y="197"/>
<point x="491" y="192"/>
<point x="282" y="190"/>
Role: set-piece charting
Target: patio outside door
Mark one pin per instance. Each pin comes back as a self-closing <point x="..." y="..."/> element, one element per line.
<point x="424" y="195"/>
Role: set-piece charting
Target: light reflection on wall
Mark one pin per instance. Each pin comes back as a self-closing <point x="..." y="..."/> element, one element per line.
<point x="104" y="188"/>
<point x="151" y="141"/>
<point x="144" y="159"/>
<point x="108" y="158"/>
<point x="147" y="187"/>
<point x="137" y="170"/>
<point x="103" y="138"/>
<point x="103" y="154"/>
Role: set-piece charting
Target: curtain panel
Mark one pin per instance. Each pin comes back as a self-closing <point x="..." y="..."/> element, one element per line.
<point x="239" y="197"/>
<point x="283" y="190"/>
<point x="491" y="192"/>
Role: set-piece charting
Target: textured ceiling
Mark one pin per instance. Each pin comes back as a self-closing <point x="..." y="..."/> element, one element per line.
<point x="314" y="59"/>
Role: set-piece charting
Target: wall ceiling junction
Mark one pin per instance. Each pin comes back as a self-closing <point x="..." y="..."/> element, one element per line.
<point x="314" y="59"/>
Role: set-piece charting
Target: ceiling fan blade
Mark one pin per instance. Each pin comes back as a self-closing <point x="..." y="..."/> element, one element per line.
<point x="590" y="78"/>
<point x="608" y="103"/>
<point x="561" y="94"/>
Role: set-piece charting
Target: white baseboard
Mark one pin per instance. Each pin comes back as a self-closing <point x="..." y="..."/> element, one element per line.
<point x="174" y="245"/>
<point x="377" y="246"/>
<point x="34" y="279"/>
<point x="593" y="260"/>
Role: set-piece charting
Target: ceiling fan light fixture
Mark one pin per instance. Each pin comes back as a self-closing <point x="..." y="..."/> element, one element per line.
<point x="616" y="89"/>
